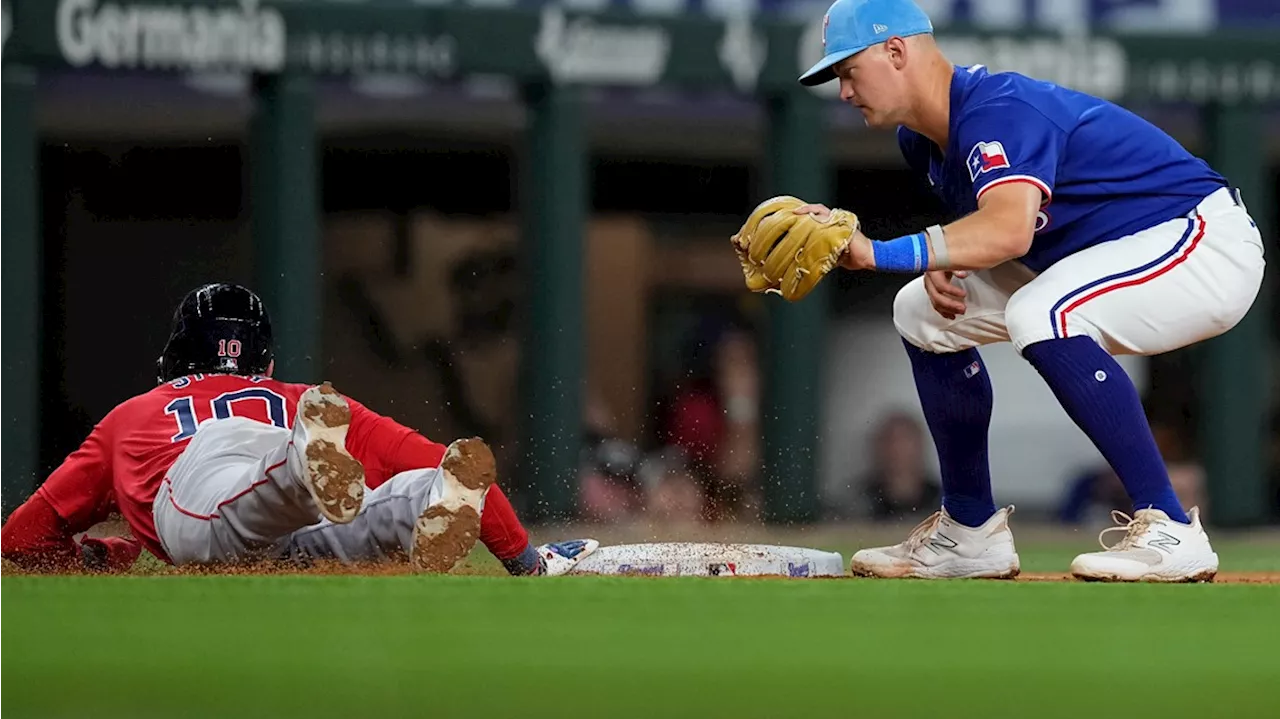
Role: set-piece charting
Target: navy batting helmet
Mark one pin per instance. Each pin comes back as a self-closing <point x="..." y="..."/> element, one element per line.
<point x="219" y="328"/>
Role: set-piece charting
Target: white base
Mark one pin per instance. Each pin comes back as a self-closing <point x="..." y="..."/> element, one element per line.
<point x="709" y="559"/>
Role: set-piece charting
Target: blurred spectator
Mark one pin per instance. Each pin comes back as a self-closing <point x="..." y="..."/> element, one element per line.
<point x="1092" y="494"/>
<point x="477" y="363"/>
<point x="610" y="488"/>
<point x="1185" y="471"/>
<point x="673" y="494"/>
<point x="713" y="416"/>
<point x="899" y="484"/>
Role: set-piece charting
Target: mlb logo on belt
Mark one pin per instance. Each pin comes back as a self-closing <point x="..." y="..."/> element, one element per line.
<point x="985" y="157"/>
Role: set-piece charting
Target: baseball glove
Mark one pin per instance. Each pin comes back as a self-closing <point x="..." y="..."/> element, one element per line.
<point x="787" y="253"/>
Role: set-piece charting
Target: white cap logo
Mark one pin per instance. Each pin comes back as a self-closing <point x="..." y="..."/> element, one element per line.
<point x="879" y="28"/>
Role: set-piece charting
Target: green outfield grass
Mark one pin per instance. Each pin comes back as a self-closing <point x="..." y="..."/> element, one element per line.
<point x="490" y="646"/>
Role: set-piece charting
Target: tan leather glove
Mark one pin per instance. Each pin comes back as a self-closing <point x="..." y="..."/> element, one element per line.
<point x="787" y="253"/>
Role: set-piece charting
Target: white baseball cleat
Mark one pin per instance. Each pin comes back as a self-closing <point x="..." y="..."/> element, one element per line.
<point x="942" y="548"/>
<point x="448" y="528"/>
<point x="1154" y="548"/>
<point x="559" y="558"/>
<point x="318" y="455"/>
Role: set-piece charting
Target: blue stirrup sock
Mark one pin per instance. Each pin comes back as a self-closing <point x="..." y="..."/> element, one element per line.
<point x="955" y="394"/>
<point x="527" y="562"/>
<point x="1099" y="397"/>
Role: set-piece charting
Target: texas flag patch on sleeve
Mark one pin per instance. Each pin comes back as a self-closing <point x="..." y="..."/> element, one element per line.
<point x="985" y="157"/>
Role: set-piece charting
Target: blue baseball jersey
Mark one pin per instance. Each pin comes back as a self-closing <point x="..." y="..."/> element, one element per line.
<point x="1104" y="172"/>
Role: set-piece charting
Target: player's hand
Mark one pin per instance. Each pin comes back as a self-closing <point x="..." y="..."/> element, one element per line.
<point x="858" y="255"/>
<point x="787" y="245"/>
<point x="820" y="212"/>
<point x="946" y="296"/>
<point x="109" y="554"/>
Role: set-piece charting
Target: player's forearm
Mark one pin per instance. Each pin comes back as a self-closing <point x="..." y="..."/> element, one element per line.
<point x="967" y="244"/>
<point x="987" y="238"/>
<point x="1000" y="230"/>
<point x="36" y="538"/>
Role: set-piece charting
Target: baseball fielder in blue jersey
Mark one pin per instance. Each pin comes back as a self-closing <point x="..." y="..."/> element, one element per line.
<point x="1083" y="232"/>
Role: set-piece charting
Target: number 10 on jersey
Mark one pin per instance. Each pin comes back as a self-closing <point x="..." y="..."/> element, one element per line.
<point x="224" y="406"/>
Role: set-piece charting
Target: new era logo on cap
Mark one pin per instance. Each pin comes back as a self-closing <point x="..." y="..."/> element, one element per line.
<point x="851" y="26"/>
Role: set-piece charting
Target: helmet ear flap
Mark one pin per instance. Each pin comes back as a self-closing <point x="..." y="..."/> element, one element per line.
<point x="165" y="362"/>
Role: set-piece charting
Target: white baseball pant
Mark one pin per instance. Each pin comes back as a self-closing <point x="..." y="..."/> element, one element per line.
<point x="1166" y="287"/>
<point x="230" y="496"/>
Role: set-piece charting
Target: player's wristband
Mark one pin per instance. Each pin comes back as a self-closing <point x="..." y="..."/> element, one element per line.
<point x="909" y="253"/>
<point x="938" y="244"/>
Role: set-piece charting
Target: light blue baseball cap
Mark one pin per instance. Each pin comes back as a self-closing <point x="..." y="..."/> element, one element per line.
<point x="851" y="26"/>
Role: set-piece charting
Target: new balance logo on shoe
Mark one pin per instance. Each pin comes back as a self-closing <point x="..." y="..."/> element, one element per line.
<point x="1184" y="553"/>
<point x="939" y="548"/>
<point x="1166" y="543"/>
<point x="939" y="542"/>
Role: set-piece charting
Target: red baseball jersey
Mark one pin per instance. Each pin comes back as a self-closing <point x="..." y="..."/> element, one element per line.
<point x="125" y="458"/>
